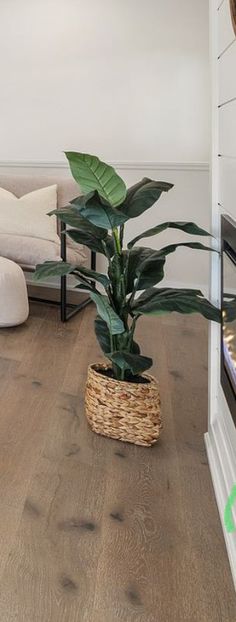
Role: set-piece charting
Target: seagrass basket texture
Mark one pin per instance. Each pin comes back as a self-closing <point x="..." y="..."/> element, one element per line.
<point x="123" y="410"/>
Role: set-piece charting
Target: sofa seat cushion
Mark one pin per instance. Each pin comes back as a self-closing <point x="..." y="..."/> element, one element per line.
<point x="27" y="251"/>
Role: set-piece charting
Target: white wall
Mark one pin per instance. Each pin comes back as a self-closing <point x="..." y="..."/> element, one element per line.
<point x="188" y="200"/>
<point x="126" y="79"/>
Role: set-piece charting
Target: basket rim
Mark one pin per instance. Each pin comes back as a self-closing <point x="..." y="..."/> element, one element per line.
<point x="102" y="365"/>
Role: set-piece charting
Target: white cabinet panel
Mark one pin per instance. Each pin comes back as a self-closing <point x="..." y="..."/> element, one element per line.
<point x="227" y="185"/>
<point x="227" y="74"/>
<point x="227" y="129"/>
<point x="226" y="32"/>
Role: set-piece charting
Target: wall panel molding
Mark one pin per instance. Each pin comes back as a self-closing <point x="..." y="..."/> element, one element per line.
<point x="121" y="165"/>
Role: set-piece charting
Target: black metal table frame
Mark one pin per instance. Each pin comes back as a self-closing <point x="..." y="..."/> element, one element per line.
<point x="67" y="310"/>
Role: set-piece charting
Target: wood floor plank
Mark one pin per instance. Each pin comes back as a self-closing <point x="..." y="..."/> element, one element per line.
<point x="59" y="539"/>
<point x="189" y="404"/>
<point x="85" y="350"/>
<point x="47" y="359"/>
<point x="8" y="368"/>
<point x="16" y="342"/>
<point x="138" y="526"/>
<point x="94" y="530"/>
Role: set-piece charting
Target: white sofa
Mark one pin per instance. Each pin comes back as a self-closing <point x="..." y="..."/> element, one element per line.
<point x="67" y="189"/>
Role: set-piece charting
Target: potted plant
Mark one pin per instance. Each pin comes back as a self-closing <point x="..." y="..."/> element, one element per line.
<point x="122" y="401"/>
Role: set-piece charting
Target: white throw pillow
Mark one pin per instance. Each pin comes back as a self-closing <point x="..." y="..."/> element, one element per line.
<point x="27" y="215"/>
<point x="28" y="235"/>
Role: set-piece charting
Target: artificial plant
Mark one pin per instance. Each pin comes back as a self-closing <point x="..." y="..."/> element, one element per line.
<point x="97" y="219"/>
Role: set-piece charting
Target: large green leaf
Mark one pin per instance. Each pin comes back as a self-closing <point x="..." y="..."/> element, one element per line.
<point x="104" y="338"/>
<point x="134" y="348"/>
<point x="171" y="248"/>
<point x="139" y="184"/>
<point x="146" y="265"/>
<point x="102" y="334"/>
<point x="100" y="213"/>
<point x="84" y="285"/>
<point x="104" y="246"/>
<point x="92" y="274"/>
<point x="61" y="268"/>
<point x="93" y="174"/>
<point x="85" y="232"/>
<point x="133" y="259"/>
<point x="165" y="300"/>
<point x="107" y="313"/>
<point x="71" y="216"/>
<point x="142" y="196"/>
<point x="52" y="268"/>
<point x="82" y="199"/>
<point x="133" y="363"/>
<point x="150" y="271"/>
<point x="188" y="227"/>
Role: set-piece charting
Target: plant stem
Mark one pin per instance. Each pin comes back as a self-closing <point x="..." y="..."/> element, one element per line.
<point x="122" y="374"/>
<point x="121" y="235"/>
<point x="111" y="343"/>
<point x="116" y="237"/>
<point x="132" y="329"/>
<point x="106" y="252"/>
<point x="132" y="297"/>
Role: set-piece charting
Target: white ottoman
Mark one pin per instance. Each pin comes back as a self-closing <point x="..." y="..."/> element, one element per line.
<point x="14" y="306"/>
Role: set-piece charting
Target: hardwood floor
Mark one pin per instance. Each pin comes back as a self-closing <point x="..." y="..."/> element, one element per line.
<point x="93" y="530"/>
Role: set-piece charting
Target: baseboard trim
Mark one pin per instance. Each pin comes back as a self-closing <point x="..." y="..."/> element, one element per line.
<point x="220" y="468"/>
<point x="121" y="165"/>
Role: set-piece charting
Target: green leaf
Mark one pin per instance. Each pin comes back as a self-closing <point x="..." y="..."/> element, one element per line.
<point x="101" y="214"/>
<point x="146" y="265"/>
<point x="52" y="268"/>
<point x="92" y="274"/>
<point x="82" y="199"/>
<point x="84" y="285"/>
<point x="93" y="174"/>
<point x="166" y="300"/>
<point x="94" y="244"/>
<point x="133" y="363"/>
<point x="188" y="227"/>
<point x="71" y="216"/>
<point x="171" y="248"/>
<point x="135" y="349"/>
<point x="85" y="232"/>
<point x="123" y="343"/>
<point x="107" y="313"/>
<point x="142" y="196"/>
<point x="150" y="271"/>
<point x="133" y="259"/>
<point x="102" y="334"/>
<point x="133" y="189"/>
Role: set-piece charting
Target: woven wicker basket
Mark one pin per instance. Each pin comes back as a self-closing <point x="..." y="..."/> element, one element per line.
<point x="123" y="410"/>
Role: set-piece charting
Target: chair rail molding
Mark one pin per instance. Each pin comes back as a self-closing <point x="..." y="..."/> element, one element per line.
<point x="121" y="165"/>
